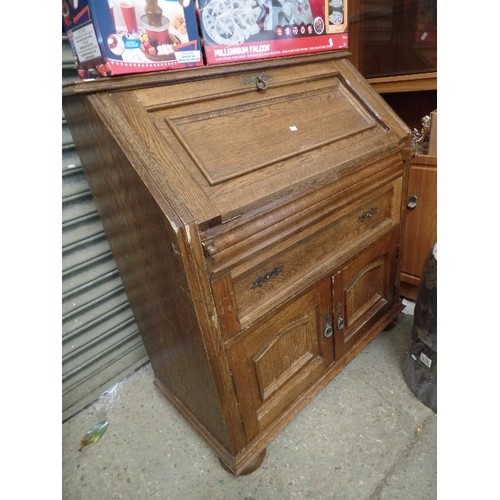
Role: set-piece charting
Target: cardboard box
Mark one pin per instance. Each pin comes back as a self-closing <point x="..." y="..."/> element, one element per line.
<point x="257" y="29"/>
<point x="116" y="37"/>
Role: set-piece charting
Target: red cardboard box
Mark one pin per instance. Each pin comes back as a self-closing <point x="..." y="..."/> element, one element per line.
<point x="257" y="29"/>
<point x="116" y="37"/>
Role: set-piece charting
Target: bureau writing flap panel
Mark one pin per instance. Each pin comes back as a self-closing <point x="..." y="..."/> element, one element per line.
<point x="230" y="137"/>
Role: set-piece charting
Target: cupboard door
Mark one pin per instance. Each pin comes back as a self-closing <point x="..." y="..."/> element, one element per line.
<point x="282" y="356"/>
<point x="421" y="222"/>
<point x="362" y="291"/>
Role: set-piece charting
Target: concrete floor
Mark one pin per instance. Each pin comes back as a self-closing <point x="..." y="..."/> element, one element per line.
<point x="365" y="436"/>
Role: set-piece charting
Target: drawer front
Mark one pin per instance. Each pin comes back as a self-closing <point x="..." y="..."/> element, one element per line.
<point x="255" y="287"/>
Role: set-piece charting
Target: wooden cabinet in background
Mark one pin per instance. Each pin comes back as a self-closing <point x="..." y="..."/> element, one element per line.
<point x="421" y="222"/>
<point x="255" y="213"/>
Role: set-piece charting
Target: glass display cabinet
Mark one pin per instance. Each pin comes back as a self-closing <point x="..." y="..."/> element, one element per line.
<point x="393" y="44"/>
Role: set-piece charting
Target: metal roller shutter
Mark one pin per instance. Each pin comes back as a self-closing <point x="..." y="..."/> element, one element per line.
<point x="101" y="343"/>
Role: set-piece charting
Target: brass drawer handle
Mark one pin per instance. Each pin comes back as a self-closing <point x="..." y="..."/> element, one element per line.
<point x="367" y="215"/>
<point x="261" y="280"/>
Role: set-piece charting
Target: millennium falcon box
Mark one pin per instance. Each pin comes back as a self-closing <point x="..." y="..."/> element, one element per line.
<point x="116" y="37"/>
<point x="244" y="30"/>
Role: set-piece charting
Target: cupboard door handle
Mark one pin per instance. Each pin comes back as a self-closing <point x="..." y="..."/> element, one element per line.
<point x="340" y="317"/>
<point x="327" y="333"/>
<point x="327" y="330"/>
<point x="412" y="202"/>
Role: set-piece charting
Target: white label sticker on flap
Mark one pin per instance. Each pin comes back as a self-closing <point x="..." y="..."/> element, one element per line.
<point x="293" y="128"/>
<point x="425" y="360"/>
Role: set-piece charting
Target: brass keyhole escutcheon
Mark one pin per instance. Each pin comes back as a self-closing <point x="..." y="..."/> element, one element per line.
<point x="261" y="84"/>
<point x="260" y="81"/>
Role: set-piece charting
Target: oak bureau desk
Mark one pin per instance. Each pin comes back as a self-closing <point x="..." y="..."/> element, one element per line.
<point x="255" y="212"/>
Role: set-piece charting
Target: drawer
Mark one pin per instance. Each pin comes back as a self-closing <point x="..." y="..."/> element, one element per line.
<point x="261" y="230"/>
<point x="256" y="286"/>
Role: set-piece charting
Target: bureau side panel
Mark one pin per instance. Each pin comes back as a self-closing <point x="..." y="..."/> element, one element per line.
<point x="143" y="233"/>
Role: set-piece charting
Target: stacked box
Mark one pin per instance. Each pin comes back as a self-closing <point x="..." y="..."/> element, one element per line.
<point x="243" y="30"/>
<point x="116" y="37"/>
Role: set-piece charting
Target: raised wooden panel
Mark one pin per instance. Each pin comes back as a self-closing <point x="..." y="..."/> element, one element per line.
<point x="287" y="354"/>
<point x="281" y="357"/>
<point x="365" y="291"/>
<point x="269" y="123"/>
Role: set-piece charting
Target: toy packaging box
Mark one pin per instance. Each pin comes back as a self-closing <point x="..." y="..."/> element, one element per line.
<point x="242" y="30"/>
<point x="116" y="37"/>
